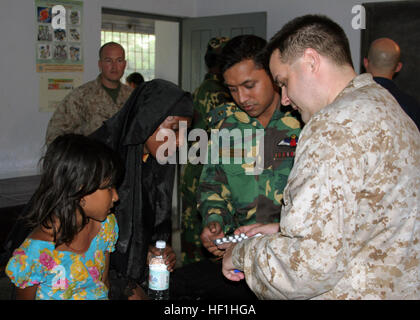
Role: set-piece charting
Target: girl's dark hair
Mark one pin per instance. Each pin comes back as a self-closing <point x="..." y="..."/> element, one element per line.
<point x="136" y="78"/>
<point x="72" y="167"/>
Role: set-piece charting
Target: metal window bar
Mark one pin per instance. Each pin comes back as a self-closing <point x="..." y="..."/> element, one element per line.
<point x="139" y="51"/>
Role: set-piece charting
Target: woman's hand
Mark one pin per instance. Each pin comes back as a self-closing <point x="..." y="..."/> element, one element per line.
<point x="168" y="255"/>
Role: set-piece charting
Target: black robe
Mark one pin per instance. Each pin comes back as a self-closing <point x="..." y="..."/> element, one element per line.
<point x="144" y="209"/>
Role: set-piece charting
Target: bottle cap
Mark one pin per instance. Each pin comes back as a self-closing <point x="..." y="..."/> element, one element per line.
<point x="160" y="244"/>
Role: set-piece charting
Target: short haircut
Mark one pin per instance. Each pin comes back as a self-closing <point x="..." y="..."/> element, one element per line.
<point x="109" y="44"/>
<point x="135" y="78"/>
<point x="311" y="31"/>
<point x="243" y="47"/>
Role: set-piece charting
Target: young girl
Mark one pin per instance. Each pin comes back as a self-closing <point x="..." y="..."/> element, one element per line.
<point x="145" y="212"/>
<point x="66" y="256"/>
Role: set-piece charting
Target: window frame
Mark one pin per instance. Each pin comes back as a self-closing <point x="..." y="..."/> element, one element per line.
<point x="133" y="15"/>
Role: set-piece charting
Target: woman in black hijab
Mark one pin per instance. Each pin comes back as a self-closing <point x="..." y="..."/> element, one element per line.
<point x="144" y="209"/>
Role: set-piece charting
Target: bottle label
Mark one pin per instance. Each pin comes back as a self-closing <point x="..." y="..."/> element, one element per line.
<point x="158" y="277"/>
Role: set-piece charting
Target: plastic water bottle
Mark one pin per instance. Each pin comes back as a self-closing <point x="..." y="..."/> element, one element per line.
<point x="158" y="275"/>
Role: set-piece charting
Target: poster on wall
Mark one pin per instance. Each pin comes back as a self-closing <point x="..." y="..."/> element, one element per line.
<point x="54" y="87"/>
<point x="59" y="36"/>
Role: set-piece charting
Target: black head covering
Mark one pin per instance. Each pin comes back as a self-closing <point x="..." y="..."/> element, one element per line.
<point x="146" y="108"/>
<point x="144" y="210"/>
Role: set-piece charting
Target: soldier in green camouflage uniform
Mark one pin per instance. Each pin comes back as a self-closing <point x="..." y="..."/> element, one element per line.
<point x="210" y="94"/>
<point x="233" y="198"/>
<point x="227" y="196"/>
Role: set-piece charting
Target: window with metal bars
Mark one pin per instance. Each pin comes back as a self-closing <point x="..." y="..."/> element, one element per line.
<point x="137" y="37"/>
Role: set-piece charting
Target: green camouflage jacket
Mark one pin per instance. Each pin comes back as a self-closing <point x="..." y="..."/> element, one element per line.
<point x="210" y="94"/>
<point x="227" y="194"/>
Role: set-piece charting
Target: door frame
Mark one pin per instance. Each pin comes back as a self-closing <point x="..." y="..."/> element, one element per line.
<point x="137" y="14"/>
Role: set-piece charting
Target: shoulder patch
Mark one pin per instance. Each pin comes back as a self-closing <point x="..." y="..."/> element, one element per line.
<point x="220" y="113"/>
<point x="291" y="122"/>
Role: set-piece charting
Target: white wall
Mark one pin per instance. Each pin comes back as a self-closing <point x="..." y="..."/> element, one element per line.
<point x="280" y="12"/>
<point x="22" y="126"/>
<point x="167" y="50"/>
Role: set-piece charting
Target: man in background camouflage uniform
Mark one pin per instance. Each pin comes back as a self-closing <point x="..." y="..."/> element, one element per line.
<point x="210" y="94"/>
<point x="228" y="197"/>
<point x="350" y="225"/>
<point x="85" y="109"/>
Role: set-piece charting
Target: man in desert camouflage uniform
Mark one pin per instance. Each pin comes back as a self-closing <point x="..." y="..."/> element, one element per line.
<point x="210" y="94"/>
<point x="85" y="109"/>
<point x="349" y="228"/>
<point x="236" y="194"/>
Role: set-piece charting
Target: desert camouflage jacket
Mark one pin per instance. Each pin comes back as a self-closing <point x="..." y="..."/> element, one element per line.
<point x="85" y="109"/>
<point x="226" y="192"/>
<point x="349" y="228"/>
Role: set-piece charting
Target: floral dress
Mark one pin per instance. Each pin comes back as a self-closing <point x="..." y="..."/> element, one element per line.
<point x="64" y="274"/>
